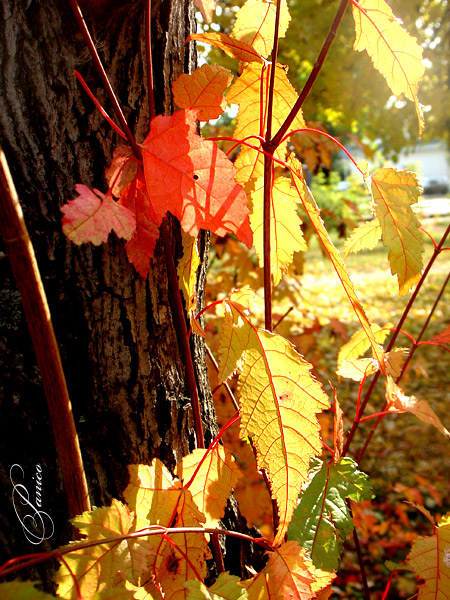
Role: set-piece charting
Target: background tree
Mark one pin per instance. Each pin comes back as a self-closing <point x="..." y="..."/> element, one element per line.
<point x="120" y="350"/>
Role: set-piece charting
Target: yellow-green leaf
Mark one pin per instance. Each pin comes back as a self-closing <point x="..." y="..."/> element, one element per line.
<point x="255" y="24"/>
<point x="108" y="564"/>
<point x="247" y="91"/>
<point x="279" y="400"/>
<point x="430" y="559"/>
<point x="187" y="268"/>
<point x="286" y="236"/>
<point x="226" y="587"/>
<point x="359" y="343"/>
<point x="365" y="236"/>
<point x="393" y="193"/>
<point x="394" y="53"/>
<point x="357" y="368"/>
<point x="313" y="212"/>
<point x="234" y="48"/>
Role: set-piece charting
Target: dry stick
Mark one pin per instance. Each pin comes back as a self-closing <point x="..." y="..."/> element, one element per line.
<point x="408" y="307"/>
<point x="313" y="75"/>
<point x="27" y="276"/>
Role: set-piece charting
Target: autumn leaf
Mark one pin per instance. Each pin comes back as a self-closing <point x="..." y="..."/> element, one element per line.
<point x="285" y="225"/>
<point x="207" y="8"/>
<point x="158" y="499"/>
<point x="217" y="475"/>
<point x="203" y="90"/>
<point x="394" y="53"/>
<point x="91" y="216"/>
<point x="255" y="24"/>
<point x="122" y="171"/>
<point x="393" y="192"/>
<point x="288" y="574"/>
<point x="109" y="564"/>
<point x="226" y="587"/>
<point x="394" y="361"/>
<point x="193" y="179"/>
<point x="363" y="237"/>
<point x="359" y="343"/>
<point x="234" y="48"/>
<point x="142" y="244"/>
<point x="279" y="399"/>
<point x="430" y="559"/>
<point x="187" y="268"/>
<point x="357" y="368"/>
<point x="247" y="91"/>
<point x="398" y="402"/>
<point x="443" y="337"/>
<point x="22" y="590"/>
<point x="322" y="520"/>
<point x="313" y="212"/>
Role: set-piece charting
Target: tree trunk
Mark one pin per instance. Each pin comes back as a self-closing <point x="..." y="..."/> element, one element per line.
<point x="119" y="346"/>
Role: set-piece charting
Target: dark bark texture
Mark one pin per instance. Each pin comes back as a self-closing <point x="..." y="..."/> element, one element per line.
<point x="119" y="347"/>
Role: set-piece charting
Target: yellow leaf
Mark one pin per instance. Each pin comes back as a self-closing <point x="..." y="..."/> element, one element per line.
<point x="357" y="368"/>
<point x="313" y="212"/>
<point x="203" y="90"/>
<point x="247" y="91"/>
<point x="288" y="574"/>
<point x="106" y="565"/>
<point x="359" y="343"/>
<point x="393" y="192"/>
<point x="211" y="487"/>
<point x="234" y="48"/>
<point x="397" y="401"/>
<point x="394" y="361"/>
<point x="394" y="53"/>
<point x="279" y="399"/>
<point x="255" y="24"/>
<point x="430" y="559"/>
<point x="187" y="268"/>
<point x="285" y="225"/>
<point x="365" y="236"/>
<point x="160" y="500"/>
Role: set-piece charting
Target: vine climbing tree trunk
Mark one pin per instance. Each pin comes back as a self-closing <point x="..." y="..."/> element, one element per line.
<point x="119" y="346"/>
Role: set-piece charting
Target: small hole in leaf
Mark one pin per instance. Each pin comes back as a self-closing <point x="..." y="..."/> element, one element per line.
<point x="195" y="177"/>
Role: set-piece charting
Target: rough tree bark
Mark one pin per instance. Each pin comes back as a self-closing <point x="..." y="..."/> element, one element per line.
<point x="118" y="343"/>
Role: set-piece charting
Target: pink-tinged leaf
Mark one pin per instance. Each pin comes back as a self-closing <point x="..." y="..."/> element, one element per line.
<point x="122" y="170"/>
<point x="207" y="8"/>
<point x="203" y="90"/>
<point x="235" y="48"/>
<point x="142" y="244"/>
<point x="193" y="179"/>
<point x="92" y="216"/>
<point x="443" y="337"/>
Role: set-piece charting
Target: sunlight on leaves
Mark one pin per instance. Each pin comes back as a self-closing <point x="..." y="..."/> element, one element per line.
<point x="187" y="268"/>
<point x="234" y="48"/>
<point x="364" y="237"/>
<point x="226" y="587"/>
<point x="358" y="344"/>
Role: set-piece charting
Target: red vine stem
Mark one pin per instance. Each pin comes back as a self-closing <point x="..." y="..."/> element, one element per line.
<point x="26" y="273"/>
<point x="104" y="77"/>
<point x="313" y="75"/>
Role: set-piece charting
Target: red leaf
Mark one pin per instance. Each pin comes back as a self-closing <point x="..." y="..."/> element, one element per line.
<point x="193" y="179"/>
<point x="141" y="246"/>
<point x="92" y="216"/>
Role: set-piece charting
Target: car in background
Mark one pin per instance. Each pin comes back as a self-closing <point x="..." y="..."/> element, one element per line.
<point x="435" y="185"/>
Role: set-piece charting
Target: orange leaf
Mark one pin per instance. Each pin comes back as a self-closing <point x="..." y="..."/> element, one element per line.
<point x="288" y="574"/>
<point x="234" y="48"/>
<point x="140" y="247"/>
<point x="430" y="559"/>
<point x="443" y="337"/>
<point x="92" y="216"/>
<point x="211" y="487"/>
<point x="203" y="90"/>
<point x="122" y="170"/>
<point x="193" y="179"/>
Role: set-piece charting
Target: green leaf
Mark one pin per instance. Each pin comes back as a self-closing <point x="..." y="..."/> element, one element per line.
<point x="393" y="193"/>
<point x="22" y="590"/>
<point x="322" y="520"/>
<point x="225" y="588"/>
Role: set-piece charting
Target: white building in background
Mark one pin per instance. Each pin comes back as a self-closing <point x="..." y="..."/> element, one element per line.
<point x="431" y="161"/>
